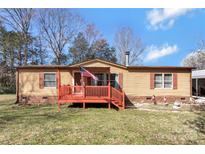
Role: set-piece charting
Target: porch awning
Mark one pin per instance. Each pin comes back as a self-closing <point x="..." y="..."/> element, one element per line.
<point x="198" y="74"/>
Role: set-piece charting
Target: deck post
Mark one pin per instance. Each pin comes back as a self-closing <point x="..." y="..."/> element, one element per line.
<point x="83" y="105"/>
<point x="109" y="95"/>
<point x="109" y="105"/>
<point x="84" y="91"/>
<point x="59" y="107"/>
<point x="58" y="81"/>
<point x="123" y="100"/>
<point x="109" y="90"/>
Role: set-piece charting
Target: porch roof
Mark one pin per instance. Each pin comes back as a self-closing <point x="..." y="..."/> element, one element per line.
<point x="92" y="69"/>
<point x="198" y="74"/>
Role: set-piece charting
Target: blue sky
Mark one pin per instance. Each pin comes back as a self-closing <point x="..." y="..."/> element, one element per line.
<point x="168" y="34"/>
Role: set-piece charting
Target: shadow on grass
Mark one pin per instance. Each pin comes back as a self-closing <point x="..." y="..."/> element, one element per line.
<point x="92" y="105"/>
<point x="198" y="123"/>
<point x="18" y="114"/>
<point x="88" y="105"/>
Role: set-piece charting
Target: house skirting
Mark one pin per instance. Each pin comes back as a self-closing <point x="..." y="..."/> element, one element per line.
<point x="25" y="99"/>
<point x="159" y="99"/>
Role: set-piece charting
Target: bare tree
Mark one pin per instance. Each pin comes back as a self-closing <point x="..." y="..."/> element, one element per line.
<point x="125" y="40"/>
<point x="201" y="45"/>
<point x="92" y="34"/>
<point x="42" y="50"/>
<point x="19" y="20"/>
<point x="38" y="51"/>
<point x="59" y="27"/>
<point x="197" y="57"/>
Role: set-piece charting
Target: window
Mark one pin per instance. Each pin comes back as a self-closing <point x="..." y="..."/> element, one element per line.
<point x="101" y="79"/>
<point x="163" y="81"/>
<point x="114" y="80"/>
<point x="167" y="80"/>
<point x="49" y="80"/>
<point x="158" y="81"/>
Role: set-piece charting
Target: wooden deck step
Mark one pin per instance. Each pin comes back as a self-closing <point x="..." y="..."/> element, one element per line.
<point x="115" y="103"/>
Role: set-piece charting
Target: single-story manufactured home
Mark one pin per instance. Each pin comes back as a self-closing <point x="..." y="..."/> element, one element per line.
<point x="120" y="85"/>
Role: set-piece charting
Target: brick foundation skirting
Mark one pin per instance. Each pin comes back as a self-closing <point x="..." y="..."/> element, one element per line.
<point x="37" y="99"/>
<point x="129" y="99"/>
<point x="159" y="99"/>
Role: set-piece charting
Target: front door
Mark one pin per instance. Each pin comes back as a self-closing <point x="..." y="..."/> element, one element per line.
<point x="77" y="79"/>
<point x="87" y="81"/>
<point x="77" y="82"/>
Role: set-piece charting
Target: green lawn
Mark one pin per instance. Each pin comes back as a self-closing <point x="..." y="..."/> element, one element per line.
<point x="162" y="107"/>
<point x="44" y="125"/>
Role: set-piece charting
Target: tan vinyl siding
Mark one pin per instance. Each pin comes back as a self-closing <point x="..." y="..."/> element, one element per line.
<point x="66" y="77"/>
<point x="138" y="84"/>
<point x="135" y="82"/>
<point x="113" y="69"/>
<point x="29" y="82"/>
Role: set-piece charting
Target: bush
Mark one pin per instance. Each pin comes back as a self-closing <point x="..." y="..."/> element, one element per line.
<point x="7" y="90"/>
<point x="7" y="80"/>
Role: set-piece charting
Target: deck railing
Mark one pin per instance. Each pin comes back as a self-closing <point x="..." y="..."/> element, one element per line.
<point x="88" y="92"/>
<point x="118" y="96"/>
<point x="97" y="91"/>
<point x="83" y="91"/>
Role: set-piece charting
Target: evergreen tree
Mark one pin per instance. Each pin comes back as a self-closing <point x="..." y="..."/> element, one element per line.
<point x="100" y="48"/>
<point x="80" y="48"/>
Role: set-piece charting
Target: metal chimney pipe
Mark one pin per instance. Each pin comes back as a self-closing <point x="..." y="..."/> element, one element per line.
<point x="127" y="54"/>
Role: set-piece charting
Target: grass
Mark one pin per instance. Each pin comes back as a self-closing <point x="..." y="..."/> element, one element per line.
<point x="44" y="125"/>
<point x="7" y="97"/>
<point x="162" y="107"/>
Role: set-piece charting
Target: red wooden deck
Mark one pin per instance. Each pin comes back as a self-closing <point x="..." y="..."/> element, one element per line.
<point x="89" y="94"/>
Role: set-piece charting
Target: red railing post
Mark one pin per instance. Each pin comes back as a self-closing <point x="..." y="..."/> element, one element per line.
<point x="109" y="91"/>
<point x="84" y="91"/>
<point x="59" y="89"/>
<point x="123" y="99"/>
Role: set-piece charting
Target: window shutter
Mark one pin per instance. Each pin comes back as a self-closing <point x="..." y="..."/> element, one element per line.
<point x="41" y="80"/>
<point x="175" y="81"/>
<point x="57" y="80"/>
<point x="151" y="80"/>
<point x="121" y="80"/>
